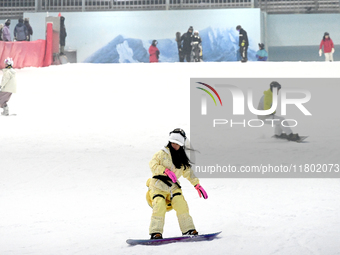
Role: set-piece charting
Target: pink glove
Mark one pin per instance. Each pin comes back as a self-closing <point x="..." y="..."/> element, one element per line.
<point x="171" y="175"/>
<point x="201" y="191"/>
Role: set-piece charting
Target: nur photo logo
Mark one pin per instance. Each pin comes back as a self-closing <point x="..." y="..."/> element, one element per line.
<point x="204" y="99"/>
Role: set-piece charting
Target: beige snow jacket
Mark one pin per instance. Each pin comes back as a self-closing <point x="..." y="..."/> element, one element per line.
<point x="162" y="160"/>
<point x="9" y="81"/>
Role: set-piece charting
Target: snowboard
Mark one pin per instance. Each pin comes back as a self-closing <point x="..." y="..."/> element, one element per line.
<point x="13" y="114"/>
<point x="302" y="138"/>
<point x="203" y="237"/>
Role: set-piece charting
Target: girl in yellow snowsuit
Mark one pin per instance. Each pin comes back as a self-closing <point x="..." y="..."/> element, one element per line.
<point x="165" y="192"/>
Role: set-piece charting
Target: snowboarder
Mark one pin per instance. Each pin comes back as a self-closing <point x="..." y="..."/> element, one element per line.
<point x="243" y="43"/>
<point x="187" y="40"/>
<point x="261" y="54"/>
<point x="281" y="131"/>
<point x="197" y="47"/>
<point x="20" y="31"/>
<point x="8" y="85"/>
<point x="165" y="193"/>
<point x="328" y="47"/>
<point x="154" y="52"/>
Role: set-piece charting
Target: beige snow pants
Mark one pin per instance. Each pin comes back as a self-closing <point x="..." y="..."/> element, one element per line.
<point x="160" y="205"/>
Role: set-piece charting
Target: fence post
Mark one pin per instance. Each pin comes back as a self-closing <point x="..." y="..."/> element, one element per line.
<point x="37" y="5"/>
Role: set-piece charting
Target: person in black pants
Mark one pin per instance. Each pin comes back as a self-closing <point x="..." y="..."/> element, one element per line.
<point x="187" y="48"/>
<point x="243" y="43"/>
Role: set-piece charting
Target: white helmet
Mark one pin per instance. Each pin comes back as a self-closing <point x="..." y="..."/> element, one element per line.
<point x="196" y="32"/>
<point x="9" y="62"/>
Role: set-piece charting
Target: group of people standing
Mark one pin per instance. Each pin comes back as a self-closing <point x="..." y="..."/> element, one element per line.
<point x="189" y="47"/>
<point x="261" y="54"/>
<point x="22" y="31"/>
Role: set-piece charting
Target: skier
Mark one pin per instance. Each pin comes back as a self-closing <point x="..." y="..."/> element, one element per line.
<point x="243" y="43"/>
<point x="165" y="193"/>
<point x="328" y="47"/>
<point x="281" y="131"/>
<point x="8" y="85"/>
<point x="197" y="47"/>
<point x="261" y="54"/>
<point x="187" y="48"/>
<point x="20" y="31"/>
<point x="154" y="52"/>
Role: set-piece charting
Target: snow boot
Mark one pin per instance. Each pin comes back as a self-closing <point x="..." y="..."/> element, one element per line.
<point x="191" y="232"/>
<point x="293" y="137"/>
<point x="6" y="111"/>
<point x="156" y="236"/>
<point x="282" y="136"/>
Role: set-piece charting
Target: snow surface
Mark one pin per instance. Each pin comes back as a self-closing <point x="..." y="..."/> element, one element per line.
<point x="74" y="162"/>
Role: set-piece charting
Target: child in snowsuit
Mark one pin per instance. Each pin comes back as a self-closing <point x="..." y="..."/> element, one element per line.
<point x="165" y="193"/>
<point x="281" y="131"/>
<point x="8" y="85"/>
<point x="328" y="47"/>
<point x="197" y="47"/>
<point x="261" y="54"/>
<point x="154" y="52"/>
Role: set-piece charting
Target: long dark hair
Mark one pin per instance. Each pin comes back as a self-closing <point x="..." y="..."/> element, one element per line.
<point x="324" y="36"/>
<point x="179" y="157"/>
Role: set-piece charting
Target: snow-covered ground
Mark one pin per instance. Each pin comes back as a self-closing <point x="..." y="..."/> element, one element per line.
<point x="74" y="162"/>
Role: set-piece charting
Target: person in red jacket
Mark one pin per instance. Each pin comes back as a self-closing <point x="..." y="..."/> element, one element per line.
<point x="154" y="52"/>
<point x="328" y="47"/>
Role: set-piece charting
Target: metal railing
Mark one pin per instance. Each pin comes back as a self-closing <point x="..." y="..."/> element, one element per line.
<point x="299" y="6"/>
<point x="97" y="5"/>
<point x="16" y="8"/>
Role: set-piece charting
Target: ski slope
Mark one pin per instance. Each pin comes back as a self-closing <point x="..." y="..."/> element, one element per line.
<point x="74" y="163"/>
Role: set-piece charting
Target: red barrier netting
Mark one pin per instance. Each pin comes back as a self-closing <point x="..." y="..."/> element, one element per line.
<point x="28" y="54"/>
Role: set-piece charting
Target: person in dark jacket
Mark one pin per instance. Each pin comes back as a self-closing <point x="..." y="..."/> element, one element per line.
<point x="243" y="43"/>
<point x="328" y="47"/>
<point x="154" y="52"/>
<point x="20" y="31"/>
<point x="29" y="28"/>
<point x="63" y="34"/>
<point x="187" y="40"/>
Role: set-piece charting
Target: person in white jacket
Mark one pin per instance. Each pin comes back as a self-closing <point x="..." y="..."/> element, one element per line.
<point x="8" y="85"/>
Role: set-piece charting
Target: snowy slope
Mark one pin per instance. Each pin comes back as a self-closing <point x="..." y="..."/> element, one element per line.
<point x="74" y="162"/>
